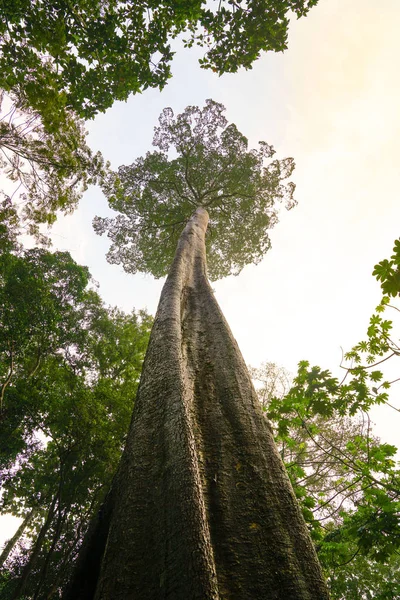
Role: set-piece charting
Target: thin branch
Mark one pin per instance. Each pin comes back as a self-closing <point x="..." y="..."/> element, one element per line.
<point x="39" y="357"/>
<point x="391" y="406"/>
<point x="351" y="462"/>
<point x="371" y="366"/>
<point x="390" y="383"/>
<point x="337" y="494"/>
<point x="350" y="559"/>
<point x="394" y="307"/>
<point x="342" y="367"/>
<point x="7" y="381"/>
<point x="187" y="177"/>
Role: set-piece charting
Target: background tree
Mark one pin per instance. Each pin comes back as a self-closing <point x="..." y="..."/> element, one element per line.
<point x="70" y="370"/>
<point x="210" y="167"/>
<point x="39" y="296"/>
<point x="9" y="231"/>
<point x="272" y="381"/>
<point x="55" y="51"/>
<point x="344" y="478"/>
<point x="364" y="578"/>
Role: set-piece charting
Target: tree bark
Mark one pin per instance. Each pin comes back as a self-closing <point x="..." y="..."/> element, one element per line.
<point x="201" y="507"/>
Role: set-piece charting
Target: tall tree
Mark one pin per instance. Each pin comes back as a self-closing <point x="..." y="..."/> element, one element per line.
<point x="209" y="165"/>
<point x="84" y="55"/>
<point x="201" y="506"/>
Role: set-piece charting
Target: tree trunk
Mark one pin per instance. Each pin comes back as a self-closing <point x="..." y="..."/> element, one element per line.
<point x="28" y="567"/>
<point x="44" y="569"/>
<point x="201" y="507"/>
<point x="9" y="546"/>
<point x="59" y="575"/>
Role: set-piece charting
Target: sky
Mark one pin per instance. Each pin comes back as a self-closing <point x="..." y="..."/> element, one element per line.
<point x="332" y="102"/>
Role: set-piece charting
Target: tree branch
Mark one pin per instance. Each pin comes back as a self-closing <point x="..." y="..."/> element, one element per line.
<point x="7" y="381"/>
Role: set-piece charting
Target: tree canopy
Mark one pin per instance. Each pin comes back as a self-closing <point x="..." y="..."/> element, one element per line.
<point x="201" y="161"/>
<point x="84" y="55"/>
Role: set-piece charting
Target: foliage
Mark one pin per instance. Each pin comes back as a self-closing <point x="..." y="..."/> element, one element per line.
<point x="9" y="230"/>
<point x="368" y="384"/>
<point x="69" y="374"/>
<point x="252" y="26"/>
<point x="362" y="579"/>
<point x="347" y="484"/>
<point x="388" y="272"/>
<point x="39" y="295"/>
<point x="50" y="169"/>
<point x="211" y="167"/>
<point x="84" y="55"/>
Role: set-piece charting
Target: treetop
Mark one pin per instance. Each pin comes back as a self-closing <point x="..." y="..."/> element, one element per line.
<point x="201" y="161"/>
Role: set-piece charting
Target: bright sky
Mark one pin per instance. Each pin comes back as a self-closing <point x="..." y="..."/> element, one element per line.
<point x="332" y="102"/>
